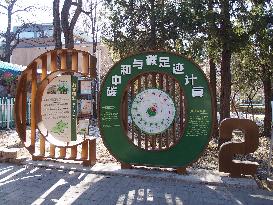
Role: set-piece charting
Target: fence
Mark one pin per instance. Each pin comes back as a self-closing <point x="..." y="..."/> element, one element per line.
<point x="7" y="112"/>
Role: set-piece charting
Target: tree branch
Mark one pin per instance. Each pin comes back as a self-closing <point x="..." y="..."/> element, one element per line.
<point x="25" y="9"/>
<point x="5" y="7"/>
<point x="76" y="15"/>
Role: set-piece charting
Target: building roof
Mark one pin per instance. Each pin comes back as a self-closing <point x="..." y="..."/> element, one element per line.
<point x="36" y="42"/>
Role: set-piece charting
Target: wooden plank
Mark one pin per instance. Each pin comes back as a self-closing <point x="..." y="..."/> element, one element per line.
<point x="93" y="70"/>
<point x="53" y="67"/>
<point x="53" y="61"/>
<point x="62" y="152"/>
<point x="138" y="90"/>
<point x="155" y="136"/>
<point x="174" y="122"/>
<point x="63" y="67"/>
<point x="181" y="111"/>
<point x="168" y="91"/>
<point x="154" y="80"/>
<point x="92" y="152"/>
<point x="181" y="170"/>
<point x="75" y="61"/>
<point x="74" y="151"/>
<point x="44" y="74"/>
<point x="161" y="136"/>
<point x="52" y="151"/>
<point x="20" y="107"/>
<point x="23" y="109"/>
<point x="132" y="125"/>
<point x="84" y="153"/>
<point x="33" y="66"/>
<point x="85" y="63"/>
<point x="146" y="85"/>
<point x="125" y="166"/>
<point x="63" y="60"/>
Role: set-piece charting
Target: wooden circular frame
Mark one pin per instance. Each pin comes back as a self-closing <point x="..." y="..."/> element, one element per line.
<point x="183" y="106"/>
<point x="49" y="62"/>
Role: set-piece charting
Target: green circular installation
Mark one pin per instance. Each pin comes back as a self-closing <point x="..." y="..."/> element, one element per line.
<point x="199" y="110"/>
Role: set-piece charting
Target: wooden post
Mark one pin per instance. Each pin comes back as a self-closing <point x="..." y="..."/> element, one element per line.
<point x="53" y="61"/>
<point x="174" y="123"/>
<point x="53" y="67"/>
<point x="92" y="151"/>
<point x="63" y="60"/>
<point x="63" y="67"/>
<point x="24" y="107"/>
<point x="44" y="74"/>
<point x="33" y="96"/>
<point x="161" y="87"/>
<point x="52" y="151"/>
<point x="75" y="61"/>
<point x="132" y="125"/>
<point x="125" y="166"/>
<point x="84" y="153"/>
<point x="62" y="152"/>
<point x="181" y="111"/>
<point x="138" y="90"/>
<point x="181" y="170"/>
<point x="73" y="152"/>
<point x="93" y="63"/>
<point x="85" y="62"/>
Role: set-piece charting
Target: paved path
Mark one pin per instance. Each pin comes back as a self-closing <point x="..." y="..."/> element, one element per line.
<point x="29" y="184"/>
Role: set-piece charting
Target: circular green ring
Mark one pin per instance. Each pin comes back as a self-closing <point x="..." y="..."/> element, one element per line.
<point x="187" y="150"/>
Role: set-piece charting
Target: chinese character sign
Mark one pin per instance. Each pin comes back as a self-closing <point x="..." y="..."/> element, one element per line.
<point x="147" y="111"/>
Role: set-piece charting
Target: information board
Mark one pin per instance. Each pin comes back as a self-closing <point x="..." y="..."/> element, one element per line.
<point x="62" y="115"/>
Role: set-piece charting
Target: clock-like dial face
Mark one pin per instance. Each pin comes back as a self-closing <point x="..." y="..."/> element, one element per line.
<point x="153" y="111"/>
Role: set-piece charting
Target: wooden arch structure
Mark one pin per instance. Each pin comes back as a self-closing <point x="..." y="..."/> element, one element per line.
<point x="35" y="143"/>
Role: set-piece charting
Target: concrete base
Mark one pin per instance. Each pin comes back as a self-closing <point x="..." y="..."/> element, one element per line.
<point x="192" y="176"/>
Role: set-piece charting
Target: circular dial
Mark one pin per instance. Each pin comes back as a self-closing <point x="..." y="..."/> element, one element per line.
<point x="153" y="111"/>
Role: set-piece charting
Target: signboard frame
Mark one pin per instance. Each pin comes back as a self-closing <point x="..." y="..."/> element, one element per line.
<point x="117" y="142"/>
<point x="38" y="110"/>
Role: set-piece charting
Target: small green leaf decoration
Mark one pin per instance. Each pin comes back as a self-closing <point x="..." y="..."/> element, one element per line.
<point x="60" y="127"/>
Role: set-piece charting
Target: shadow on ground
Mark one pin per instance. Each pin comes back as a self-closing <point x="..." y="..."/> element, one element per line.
<point x="36" y="185"/>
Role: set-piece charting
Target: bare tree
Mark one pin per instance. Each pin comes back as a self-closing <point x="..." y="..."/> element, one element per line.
<point x="66" y="20"/>
<point x="11" y="39"/>
<point x="57" y="24"/>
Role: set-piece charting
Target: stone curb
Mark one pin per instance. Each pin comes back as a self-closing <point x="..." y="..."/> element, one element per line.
<point x="204" y="177"/>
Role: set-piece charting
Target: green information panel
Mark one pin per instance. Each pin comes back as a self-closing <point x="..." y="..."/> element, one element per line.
<point x="146" y="108"/>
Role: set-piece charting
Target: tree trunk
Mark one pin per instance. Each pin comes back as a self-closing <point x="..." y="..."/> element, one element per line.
<point x="8" y="37"/>
<point x="225" y="84"/>
<point x="268" y="93"/>
<point x="213" y="83"/>
<point x="67" y="27"/>
<point x="225" y="30"/>
<point x="57" y="24"/>
<point x="153" y="26"/>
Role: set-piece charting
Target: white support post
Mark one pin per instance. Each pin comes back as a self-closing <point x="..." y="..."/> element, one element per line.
<point x="8" y="113"/>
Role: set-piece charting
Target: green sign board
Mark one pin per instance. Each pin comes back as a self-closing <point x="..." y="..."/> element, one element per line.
<point x="156" y="109"/>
